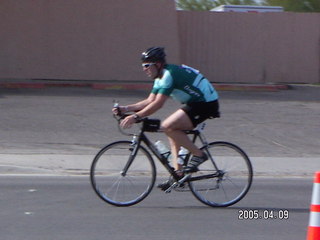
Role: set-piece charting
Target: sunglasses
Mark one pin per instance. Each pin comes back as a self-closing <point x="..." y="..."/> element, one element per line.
<point x="147" y="65"/>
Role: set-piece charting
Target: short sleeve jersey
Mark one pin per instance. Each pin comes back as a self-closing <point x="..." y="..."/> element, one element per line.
<point x="184" y="84"/>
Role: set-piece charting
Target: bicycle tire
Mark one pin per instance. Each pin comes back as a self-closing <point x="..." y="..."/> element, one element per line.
<point x="116" y="188"/>
<point x="235" y="175"/>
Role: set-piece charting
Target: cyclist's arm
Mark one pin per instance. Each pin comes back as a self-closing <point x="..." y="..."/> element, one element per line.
<point x="156" y="102"/>
<point x="140" y="105"/>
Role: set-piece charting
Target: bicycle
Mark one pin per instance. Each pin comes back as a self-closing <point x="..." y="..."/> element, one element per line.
<point x="123" y="173"/>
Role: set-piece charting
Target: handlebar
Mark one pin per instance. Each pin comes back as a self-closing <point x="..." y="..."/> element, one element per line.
<point x="148" y="125"/>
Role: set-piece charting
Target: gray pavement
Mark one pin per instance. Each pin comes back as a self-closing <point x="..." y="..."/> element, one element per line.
<point x="66" y="208"/>
<point x="57" y="129"/>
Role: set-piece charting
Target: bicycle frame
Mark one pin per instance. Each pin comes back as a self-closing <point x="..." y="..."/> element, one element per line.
<point x="228" y="170"/>
<point x="142" y="138"/>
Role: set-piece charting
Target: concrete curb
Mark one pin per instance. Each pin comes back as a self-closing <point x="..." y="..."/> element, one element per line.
<point x="123" y="85"/>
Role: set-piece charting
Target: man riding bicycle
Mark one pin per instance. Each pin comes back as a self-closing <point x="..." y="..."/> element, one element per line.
<point x="189" y="87"/>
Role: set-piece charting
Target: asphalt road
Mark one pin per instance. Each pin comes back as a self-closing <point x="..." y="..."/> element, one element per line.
<point x="66" y="208"/>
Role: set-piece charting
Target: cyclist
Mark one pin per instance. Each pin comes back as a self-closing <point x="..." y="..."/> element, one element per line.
<point x="186" y="85"/>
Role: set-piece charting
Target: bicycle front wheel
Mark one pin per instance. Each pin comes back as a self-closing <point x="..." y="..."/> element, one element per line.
<point x="225" y="178"/>
<point x="120" y="176"/>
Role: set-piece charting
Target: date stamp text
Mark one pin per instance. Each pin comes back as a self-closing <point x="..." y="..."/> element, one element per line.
<point x="263" y="214"/>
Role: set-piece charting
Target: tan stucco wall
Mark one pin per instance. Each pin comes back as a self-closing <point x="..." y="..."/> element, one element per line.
<point x="252" y="47"/>
<point x="103" y="40"/>
<point x="83" y="39"/>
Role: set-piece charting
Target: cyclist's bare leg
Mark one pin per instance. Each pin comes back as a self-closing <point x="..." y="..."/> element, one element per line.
<point x="174" y="153"/>
<point x="173" y="126"/>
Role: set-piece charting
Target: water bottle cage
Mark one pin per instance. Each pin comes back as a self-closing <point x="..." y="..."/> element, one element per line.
<point x="166" y="155"/>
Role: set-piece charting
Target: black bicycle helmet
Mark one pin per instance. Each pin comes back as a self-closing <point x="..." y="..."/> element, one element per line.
<point x="154" y="54"/>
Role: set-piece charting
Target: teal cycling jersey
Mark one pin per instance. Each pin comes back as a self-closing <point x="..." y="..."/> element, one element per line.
<point x="184" y="84"/>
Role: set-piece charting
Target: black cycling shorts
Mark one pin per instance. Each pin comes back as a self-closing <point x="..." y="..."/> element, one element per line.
<point x="200" y="111"/>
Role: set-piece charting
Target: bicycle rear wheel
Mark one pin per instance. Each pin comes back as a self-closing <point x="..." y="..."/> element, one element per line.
<point x="225" y="179"/>
<point x="117" y="186"/>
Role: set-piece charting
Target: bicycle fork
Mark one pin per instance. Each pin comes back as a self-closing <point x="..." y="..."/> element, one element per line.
<point x="133" y="152"/>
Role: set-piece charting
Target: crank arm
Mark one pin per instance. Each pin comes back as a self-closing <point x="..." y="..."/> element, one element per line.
<point x="178" y="183"/>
